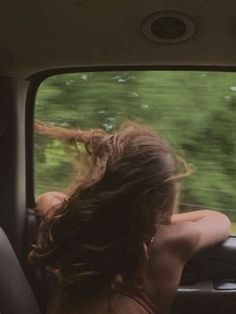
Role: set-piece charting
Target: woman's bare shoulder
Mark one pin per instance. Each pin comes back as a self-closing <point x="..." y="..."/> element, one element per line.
<point x="170" y="250"/>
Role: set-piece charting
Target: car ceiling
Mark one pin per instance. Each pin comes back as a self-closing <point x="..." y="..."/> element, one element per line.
<point x="42" y="35"/>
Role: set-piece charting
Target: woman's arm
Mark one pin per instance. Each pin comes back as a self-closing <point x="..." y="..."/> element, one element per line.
<point x="173" y="245"/>
<point x="203" y="228"/>
<point x="49" y="200"/>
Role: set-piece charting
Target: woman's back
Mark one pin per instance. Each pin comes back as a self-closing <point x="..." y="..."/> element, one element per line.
<point x="119" y="303"/>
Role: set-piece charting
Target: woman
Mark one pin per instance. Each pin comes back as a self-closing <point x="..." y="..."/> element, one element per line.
<point x="114" y="244"/>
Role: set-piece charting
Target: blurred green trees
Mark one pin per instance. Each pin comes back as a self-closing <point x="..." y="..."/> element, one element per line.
<point x="194" y="111"/>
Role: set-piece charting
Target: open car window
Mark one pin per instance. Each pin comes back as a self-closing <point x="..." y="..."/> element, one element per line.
<point x="194" y="111"/>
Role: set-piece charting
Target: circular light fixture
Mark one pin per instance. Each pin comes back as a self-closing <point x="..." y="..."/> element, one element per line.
<point x="168" y="27"/>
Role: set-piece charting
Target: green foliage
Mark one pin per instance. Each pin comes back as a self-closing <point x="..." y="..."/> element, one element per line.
<point x="194" y="111"/>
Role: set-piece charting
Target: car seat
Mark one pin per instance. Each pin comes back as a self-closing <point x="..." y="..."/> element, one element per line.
<point x="16" y="296"/>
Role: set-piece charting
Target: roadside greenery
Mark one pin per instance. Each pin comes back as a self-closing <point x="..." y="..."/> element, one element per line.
<point x="195" y="112"/>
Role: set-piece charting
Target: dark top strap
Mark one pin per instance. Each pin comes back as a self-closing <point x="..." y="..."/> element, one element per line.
<point x="140" y="297"/>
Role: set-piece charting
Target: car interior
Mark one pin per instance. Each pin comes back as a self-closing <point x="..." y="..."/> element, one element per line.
<point x="116" y="50"/>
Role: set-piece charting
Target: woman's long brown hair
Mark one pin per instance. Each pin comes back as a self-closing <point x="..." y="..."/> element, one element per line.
<point x="98" y="233"/>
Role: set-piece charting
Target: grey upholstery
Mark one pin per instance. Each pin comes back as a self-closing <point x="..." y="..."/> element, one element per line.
<point x="16" y="296"/>
<point x="40" y="281"/>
